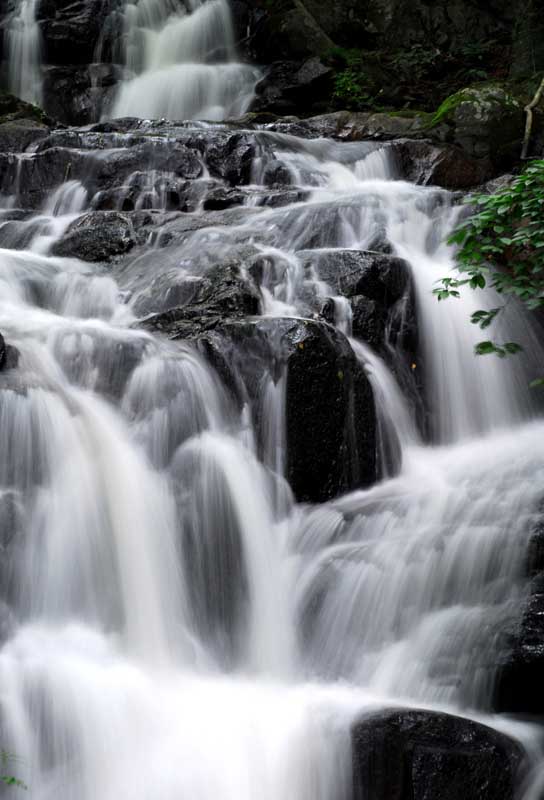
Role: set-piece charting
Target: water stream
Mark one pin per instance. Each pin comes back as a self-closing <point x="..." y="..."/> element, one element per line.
<point x="24" y="49"/>
<point x="181" y="64"/>
<point x="175" y="624"/>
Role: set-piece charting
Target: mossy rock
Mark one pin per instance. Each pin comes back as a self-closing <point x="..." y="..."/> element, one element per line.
<point x="12" y="108"/>
<point x="486" y="121"/>
<point x="21" y="124"/>
<point x="483" y="101"/>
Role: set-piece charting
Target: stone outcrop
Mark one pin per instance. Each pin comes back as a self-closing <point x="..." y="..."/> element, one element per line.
<point x="9" y="355"/>
<point x="97" y="236"/>
<point x="330" y="424"/>
<point x="411" y="754"/>
<point x="519" y="679"/>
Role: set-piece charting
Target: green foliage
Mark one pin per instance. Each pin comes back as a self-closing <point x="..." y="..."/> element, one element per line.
<point x="501" y="244"/>
<point x="416" y="62"/>
<point x="416" y="77"/>
<point x="352" y="85"/>
<point x="9" y="780"/>
<point x="425" y="75"/>
<point x="449" y="105"/>
<point x="350" y="91"/>
<point x="476" y="58"/>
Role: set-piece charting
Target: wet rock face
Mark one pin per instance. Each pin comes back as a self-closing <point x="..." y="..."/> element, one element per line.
<point x="3" y="350"/>
<point x="97" y="236"/>
<point x="379" y="277"/>
<point x="330" y="416"/>
<point x="485" y="122"/>
<point x="381" y="296"/>
<point x="290" y="30"/>
<point x="449" y="167"/>
<point x="519" y="681"/>
<point x="231" y="158"/>
<point x="410" y="754"/>
<point x="9" y="355"/>
<point x="70" y="29"/>
<point x="16" y="135"/>
<point x="330" y="424"/>
<point x="224" y="292"/>
<point x="78" y="94"/>
<point x="290" y="87"/>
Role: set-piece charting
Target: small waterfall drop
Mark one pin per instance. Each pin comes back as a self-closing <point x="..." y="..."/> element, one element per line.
<point x="182" y="64"/>
<point x="23" y="45"/>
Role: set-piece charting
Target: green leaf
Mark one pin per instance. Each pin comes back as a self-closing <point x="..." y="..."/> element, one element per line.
<point x="485" y="348"/>
<point x="477" y="281"/>
<point x="512" y="347"/>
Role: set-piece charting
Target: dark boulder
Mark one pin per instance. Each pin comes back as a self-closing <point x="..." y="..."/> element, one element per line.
<point x="13" y="108"/>
<point x="70" y="29"/>
<point x="446" y="166"/>
<point x="292" y="87"/>
<point x="276" y="174"/>
<point x="329" y="406"/>
<point x="411" y="754"/>
<point x="77" y="95"/>
<point x="3" y="350"/>
<point x="286" y="30"/>
<point x="222" y="293"/>
<point x="369" y="319"/>
<point x="278" y="199"/>
<point x="97" y="236"/>
<point x="356" y="126"/>
<point x="16" y="135"/>
<point x="44" y="172"/>
<point x="330" y="415"/>
<point x="486" y="122"/>
<point x="98" y="170"/>
<point x="219" y="198"/>
<point x="378" y="276"/>
<point x="231" y="157"/>
<point x="518" y="687"/>
<point x="112" y="168"/>
<point x="9" y="355"/>
<point x="519" y="681"/>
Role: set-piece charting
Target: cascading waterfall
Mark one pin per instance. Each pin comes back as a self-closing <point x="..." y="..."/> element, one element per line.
<point x="182" y="64"/>
<point x="23" y="45"/>
<point x="175" y="624"/>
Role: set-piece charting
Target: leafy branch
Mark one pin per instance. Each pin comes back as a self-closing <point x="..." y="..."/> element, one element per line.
<point x="501" y="245"/>
<point x="10" y="780"/>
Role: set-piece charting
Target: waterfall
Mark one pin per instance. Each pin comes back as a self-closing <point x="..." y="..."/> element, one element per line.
<point x="182" y="64"/>
<point x="174" y="623"/>
<point x="23" y="45"/>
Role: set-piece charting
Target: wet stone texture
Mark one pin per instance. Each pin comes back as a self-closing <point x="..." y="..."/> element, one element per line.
<point x="410" y="754"/>
<point x="519" y="680"/>
<point x="330" y="421"/>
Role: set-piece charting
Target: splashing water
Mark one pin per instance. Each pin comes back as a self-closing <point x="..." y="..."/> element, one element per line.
<point x="175" y="624"/>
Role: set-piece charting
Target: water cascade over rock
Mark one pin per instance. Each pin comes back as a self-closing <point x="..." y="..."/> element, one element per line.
<point x="265" y="520"/>
<point x="181" y="64"/>
<point x="23" y="45"/>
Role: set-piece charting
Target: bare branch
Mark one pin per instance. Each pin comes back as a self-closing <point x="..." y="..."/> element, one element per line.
<point x="529" y="123"/>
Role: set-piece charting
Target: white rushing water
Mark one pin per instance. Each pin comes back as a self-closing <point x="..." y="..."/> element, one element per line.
<point x="175" y="625"/>
<point x="181" y="64"/>
<point x="23" y="46"/>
